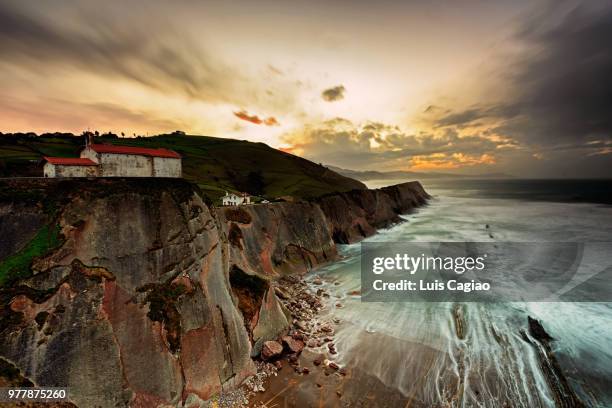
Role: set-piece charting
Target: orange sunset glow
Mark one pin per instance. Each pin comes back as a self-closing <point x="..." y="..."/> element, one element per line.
<point x="413" y="86"/>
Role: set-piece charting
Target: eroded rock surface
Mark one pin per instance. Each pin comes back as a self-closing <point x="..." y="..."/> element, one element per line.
<point x="135" y="307"/>
<point x="151" y="298"/>
<point x="357" y="214"/>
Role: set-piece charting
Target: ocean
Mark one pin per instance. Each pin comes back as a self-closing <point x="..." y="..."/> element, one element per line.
<point x="415" y="350"/>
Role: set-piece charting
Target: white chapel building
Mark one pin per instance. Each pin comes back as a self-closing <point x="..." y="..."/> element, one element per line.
<point x="106" y="160"/>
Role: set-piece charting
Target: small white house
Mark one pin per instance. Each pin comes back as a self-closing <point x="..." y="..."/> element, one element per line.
<point x="236" y="199"/>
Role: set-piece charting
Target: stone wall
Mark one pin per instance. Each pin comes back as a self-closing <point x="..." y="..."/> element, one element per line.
<point x="130" y="165"/>
<point x="125" y="165"/>
<point x="166" y="167"/>
<point x="59" y="170"/>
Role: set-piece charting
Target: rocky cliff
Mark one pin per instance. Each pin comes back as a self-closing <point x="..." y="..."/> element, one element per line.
<point x="357" y="214"/>
<point x="136" y="293"/>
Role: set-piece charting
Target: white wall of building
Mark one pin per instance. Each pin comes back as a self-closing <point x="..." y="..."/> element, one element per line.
<point x="166" y="167"/>
<point x="131" y="165"/>
<point x="49" y="170"/>
<point x="60" y="170"/>
<point x="90" y="154"/>
<point x="125" y="165"/>
<point x="234" y="199"/>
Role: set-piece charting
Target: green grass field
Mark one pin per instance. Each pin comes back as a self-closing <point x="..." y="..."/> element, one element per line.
<point x="215" y="164"/>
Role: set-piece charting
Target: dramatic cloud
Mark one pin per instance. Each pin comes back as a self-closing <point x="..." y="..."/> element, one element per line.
<point x="377" y="145"/>
<point x="526" y="85"/>
<point x="561" y="88"/>
<point x="566" y="86"/>
<point x="333" y="94"/>
<point x="448" y="161"/>
<point x="163" y="58"/>
<point x="244" y="115"/>
<point x="96" y="115"/>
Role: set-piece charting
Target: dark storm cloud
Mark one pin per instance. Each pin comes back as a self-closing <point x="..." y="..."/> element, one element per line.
<point x="333" y="94"/>
<point x="568" y="84"/>
<point x="562" y="87"/>
<point x="150" y="52"/>
<point x="471" y="116"/>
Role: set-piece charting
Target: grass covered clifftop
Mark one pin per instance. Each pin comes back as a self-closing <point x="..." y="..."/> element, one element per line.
<point x="30" y="208"/>
<point x="214" y="164"/>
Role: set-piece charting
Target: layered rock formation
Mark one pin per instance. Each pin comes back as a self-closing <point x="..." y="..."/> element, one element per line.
<point x="357" y="214"/>
<point x="135" y="305"/>
<point x="265" y="242"/>
<point x="146" y="296"/>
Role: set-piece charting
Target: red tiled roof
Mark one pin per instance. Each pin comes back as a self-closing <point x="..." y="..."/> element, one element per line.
<point x="143" y="151"/>
<point x="70" y="161"/>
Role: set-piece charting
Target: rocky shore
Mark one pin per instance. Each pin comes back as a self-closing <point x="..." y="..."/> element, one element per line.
<point x="136" y="293"/>
<point x="306" y="348"/>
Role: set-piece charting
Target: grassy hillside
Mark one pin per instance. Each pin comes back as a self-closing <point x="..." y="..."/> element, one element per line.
<point x="215" y="164"/>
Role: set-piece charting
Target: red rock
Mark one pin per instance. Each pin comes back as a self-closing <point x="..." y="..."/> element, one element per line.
<point x="318" y="360"/>
<point x="333" y="365"/>
<point x="293" y="345"/>
<point x="278" y="364"/>
<point x="305" y="370"/>
<point x="271" y="349"/>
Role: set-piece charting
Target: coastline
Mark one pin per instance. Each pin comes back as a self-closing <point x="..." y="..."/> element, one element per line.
<point x="148" y="265"/>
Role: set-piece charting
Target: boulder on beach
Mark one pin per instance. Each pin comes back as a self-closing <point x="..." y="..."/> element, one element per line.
<point x="293" y="345"/>
<point x="271" y="349"/>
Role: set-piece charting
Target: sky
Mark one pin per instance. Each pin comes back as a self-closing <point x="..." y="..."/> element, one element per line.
<point x="473" y="87"/>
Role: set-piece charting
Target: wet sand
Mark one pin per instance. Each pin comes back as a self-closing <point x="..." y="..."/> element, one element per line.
<point x="326" y="387"/>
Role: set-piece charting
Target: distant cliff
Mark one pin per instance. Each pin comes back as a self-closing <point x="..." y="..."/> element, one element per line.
<point x="357" y="214"/>
<point x="134" y="292"/>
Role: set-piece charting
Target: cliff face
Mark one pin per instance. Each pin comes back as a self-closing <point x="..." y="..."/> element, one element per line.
<point x="135" y="305"/>
<point x="357" y="214"/>
<point x="265" y="242"/>
<point x="144" y="296"/>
